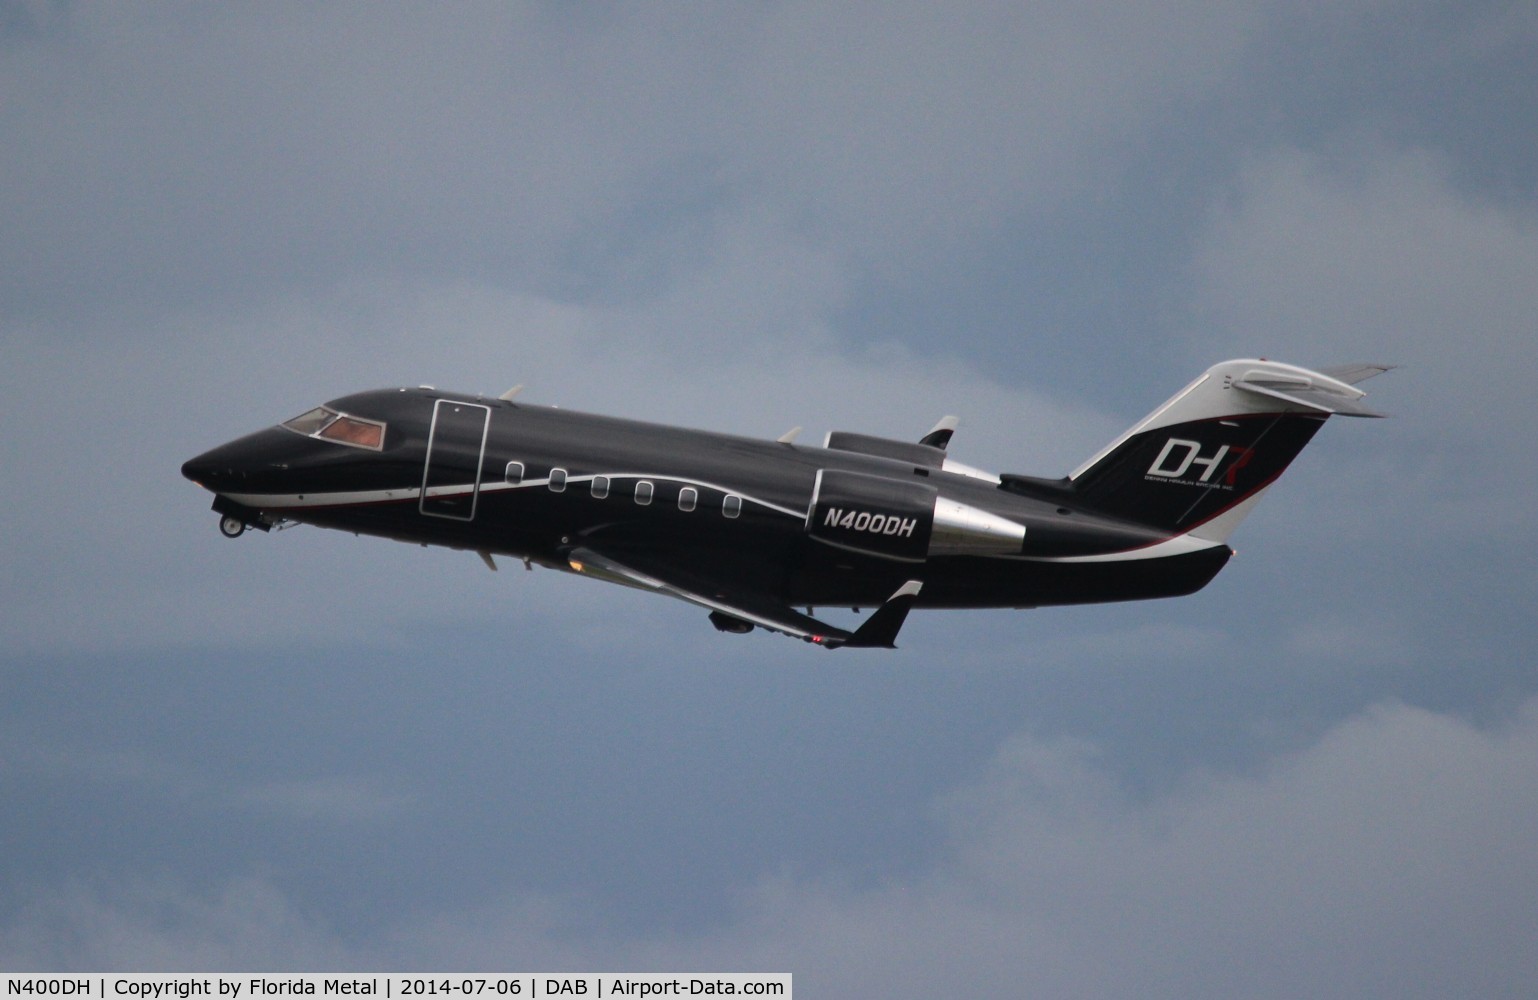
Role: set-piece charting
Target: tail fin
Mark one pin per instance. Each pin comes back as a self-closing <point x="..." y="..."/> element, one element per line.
<point x="1198" y="464"/>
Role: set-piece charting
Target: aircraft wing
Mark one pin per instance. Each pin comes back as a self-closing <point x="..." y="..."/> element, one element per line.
<point x="746" y="605"/>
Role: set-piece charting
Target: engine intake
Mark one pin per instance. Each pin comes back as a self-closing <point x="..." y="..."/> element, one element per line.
<point x="923" y="455"/>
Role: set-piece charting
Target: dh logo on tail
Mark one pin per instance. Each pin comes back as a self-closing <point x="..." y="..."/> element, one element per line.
<point x="1179" y="454"/>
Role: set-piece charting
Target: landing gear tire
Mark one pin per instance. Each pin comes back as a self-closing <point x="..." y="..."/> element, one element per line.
<point x="232" y="527"/>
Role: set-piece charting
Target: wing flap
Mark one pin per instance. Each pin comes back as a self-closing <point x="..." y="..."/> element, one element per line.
<point x="758" y="609"/>
<point x="879" y="630"/>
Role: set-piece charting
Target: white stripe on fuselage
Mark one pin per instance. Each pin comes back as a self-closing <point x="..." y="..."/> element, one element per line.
<point x="354" y="498"/>
<point x="1177" y="546"/>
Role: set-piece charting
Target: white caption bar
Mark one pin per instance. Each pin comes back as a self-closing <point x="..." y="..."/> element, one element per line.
<point x="450" y="986"/>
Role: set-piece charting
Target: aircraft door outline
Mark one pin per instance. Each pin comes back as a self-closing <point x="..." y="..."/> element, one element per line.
<point x="459" y="431"/>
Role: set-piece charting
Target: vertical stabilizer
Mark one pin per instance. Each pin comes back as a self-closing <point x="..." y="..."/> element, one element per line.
<point x="1198" y="464"/>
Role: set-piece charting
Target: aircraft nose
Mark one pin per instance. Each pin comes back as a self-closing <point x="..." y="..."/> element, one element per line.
<point x="207" y="470"/>
<point x="232" y="464"/>
<point x="270" y="461"/>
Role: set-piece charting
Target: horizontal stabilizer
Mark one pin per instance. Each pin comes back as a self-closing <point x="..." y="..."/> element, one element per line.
<point x="1316" y="391"/>
<point x="1352" y="374"/>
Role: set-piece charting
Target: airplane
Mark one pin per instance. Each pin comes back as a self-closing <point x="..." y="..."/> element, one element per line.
<point x="751" y="530"/>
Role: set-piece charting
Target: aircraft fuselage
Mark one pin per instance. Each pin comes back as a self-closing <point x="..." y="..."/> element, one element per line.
<point x="525" y="481"/>
<point x="752" y="529"/>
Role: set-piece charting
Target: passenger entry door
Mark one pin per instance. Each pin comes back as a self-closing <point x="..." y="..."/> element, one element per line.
<point x="456" y="444"/>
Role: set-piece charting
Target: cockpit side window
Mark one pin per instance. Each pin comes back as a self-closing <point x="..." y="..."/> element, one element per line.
<point x="311" y="421"/>
<point x="355" y="431"/>
<point x="342" y="428"/>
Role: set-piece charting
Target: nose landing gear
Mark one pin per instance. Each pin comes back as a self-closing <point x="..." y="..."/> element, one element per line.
<point x="235" y="518"/>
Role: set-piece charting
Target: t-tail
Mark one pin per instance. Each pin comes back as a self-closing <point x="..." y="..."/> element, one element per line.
<point x="1198" y="464"/>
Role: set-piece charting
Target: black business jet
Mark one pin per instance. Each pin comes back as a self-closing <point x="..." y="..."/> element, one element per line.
<point x="753" y="529"/>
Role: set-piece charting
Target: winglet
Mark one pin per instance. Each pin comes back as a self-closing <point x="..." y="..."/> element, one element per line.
<point x="881" y="628"/>
<point x="940" y="434"/>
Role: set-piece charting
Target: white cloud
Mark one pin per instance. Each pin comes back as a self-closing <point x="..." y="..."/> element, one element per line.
<point x="1356" y="641"/>
<point x="155" y="925"/>
<point x="198" y="787"/>
<point x="1376" y="258"/>
<point x="198" y="153"/>
<point x="1381" y="257"/>
<point x="1394" y="857"/>
<point x="906" y="129"/>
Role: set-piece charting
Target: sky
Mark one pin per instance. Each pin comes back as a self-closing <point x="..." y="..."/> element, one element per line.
<point x="308" y="751"/>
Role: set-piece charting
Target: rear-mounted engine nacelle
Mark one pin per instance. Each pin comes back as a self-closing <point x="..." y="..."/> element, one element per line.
<point x="898" y="519"/>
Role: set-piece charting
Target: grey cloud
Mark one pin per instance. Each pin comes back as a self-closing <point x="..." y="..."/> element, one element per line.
<point x="735" y="347"/>
<point x="151" y="775"/>
<point x="1383" y="254"/>
<point x="295" y="146"/>
<point x="217" y="217"/>
<point x="174" y="154"/>
<point x="335" y="800"/>
<point x="1392" y="857"/>
<point x="1385" y="259"/>
<point x="158" y="926"/>
<point x="917" y="127"/>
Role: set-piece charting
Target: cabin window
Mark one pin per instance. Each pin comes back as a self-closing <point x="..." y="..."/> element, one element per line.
<point x="643" y="492"/>
<point x="687" y="498"/>
<point x="731" y="506"/>
<point x="340" y="428"/>
<point x="600" y="487"/>
<point x="557" y="480"/>
<point x="514" y="473"/>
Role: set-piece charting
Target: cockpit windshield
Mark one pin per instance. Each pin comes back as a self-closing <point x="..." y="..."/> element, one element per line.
<point x="327" y="424"/>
